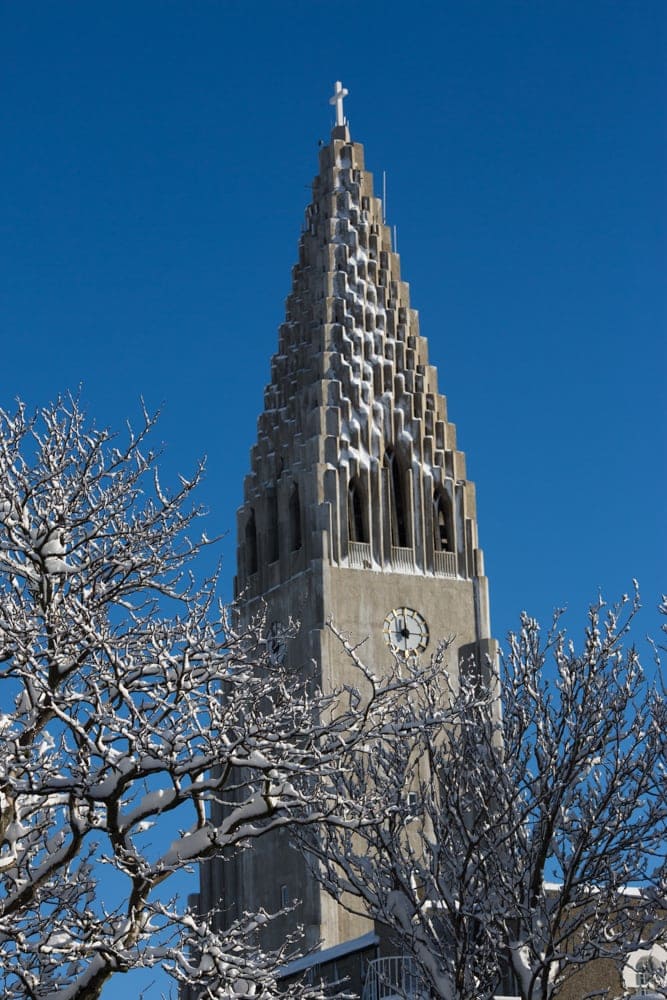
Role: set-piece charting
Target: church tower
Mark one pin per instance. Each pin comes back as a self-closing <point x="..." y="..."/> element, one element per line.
<point x="357" y="506"/>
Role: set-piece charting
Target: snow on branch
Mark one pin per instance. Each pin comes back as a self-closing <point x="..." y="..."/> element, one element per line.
<point x="515" y="812"/>
<point x="131" y="701"/>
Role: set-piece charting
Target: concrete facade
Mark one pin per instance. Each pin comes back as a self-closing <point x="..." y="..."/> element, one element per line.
<point x="357" y="500"/>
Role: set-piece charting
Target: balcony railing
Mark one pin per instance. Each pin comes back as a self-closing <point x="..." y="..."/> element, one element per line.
<point x="396" y="978"/>
<point x="402" y="559"/>
<point x="359" y="554"/>
<point x="444" y="563"/>
<point x="393" y="978"/>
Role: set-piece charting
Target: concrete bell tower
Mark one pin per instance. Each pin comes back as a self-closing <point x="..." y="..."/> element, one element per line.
<point x="356" y="506"/>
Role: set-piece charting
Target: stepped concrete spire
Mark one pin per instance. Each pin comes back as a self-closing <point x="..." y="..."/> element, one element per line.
<point x="357" y="506"/>
<point x="353" y="405"/>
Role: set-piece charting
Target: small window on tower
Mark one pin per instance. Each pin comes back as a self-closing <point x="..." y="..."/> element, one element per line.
<point x="398" y="507"/>
<point x="358" y="531"/>
<point x="443" y="529"/>
<point x="285" y="898"/>
<point x="295" y="519"/>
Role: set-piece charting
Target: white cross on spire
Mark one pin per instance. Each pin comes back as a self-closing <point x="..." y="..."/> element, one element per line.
<point x="339" y="93"/>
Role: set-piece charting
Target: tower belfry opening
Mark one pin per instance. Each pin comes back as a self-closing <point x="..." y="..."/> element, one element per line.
<point x="357" y="500"/>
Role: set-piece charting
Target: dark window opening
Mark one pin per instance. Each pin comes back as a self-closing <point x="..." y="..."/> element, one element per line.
<point x="443" y="529"/>
<point x="355" y="513"/>
<point x="295" y="519"/>
<point x="397" y="504"/>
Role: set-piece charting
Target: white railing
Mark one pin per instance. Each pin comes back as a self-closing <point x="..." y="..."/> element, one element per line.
<point x="396" y="978"/>
<point x="359" y="554"/>
<point x="393" y="978"/>
<point x="402" y="559"/>
<point x="444" y="563"/>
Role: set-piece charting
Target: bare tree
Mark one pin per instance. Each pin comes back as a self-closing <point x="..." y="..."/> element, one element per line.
<point x="658" y="887"/>
<point x="584" y="820"/>
<point x="512" y="837"/>
<point x="130" y="702"/>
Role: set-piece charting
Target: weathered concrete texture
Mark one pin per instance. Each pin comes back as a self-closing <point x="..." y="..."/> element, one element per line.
<point x="357" y="500"/>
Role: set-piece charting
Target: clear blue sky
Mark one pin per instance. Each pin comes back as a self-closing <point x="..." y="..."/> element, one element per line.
<point x="156" y="162"/>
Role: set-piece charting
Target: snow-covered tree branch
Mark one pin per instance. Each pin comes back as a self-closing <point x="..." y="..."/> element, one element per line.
<point x="516" y="826"/>
<point x="586" y="824"/>
<point x="130" y="703"/>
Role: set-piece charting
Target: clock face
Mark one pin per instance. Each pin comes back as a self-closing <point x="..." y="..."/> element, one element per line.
<point x="405" y="631"/>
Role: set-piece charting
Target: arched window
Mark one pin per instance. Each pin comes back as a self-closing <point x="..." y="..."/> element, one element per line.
<point x="294" y="519"/>
<point x="272" y="550"/>
<point x="443" y="527"/>
<point x="251" y="544"/>
<point x="358" y="530"/>
<point x="398" y="507"/>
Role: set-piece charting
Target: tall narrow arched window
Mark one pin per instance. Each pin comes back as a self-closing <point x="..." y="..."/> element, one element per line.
<point x="294" y="519"/>
<point x="397" y="501"/>
<point x="443" y="525"/>
<point x="272" y="549"/>
<point x="357" y="527"/>
<point x="251" y="544"/>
